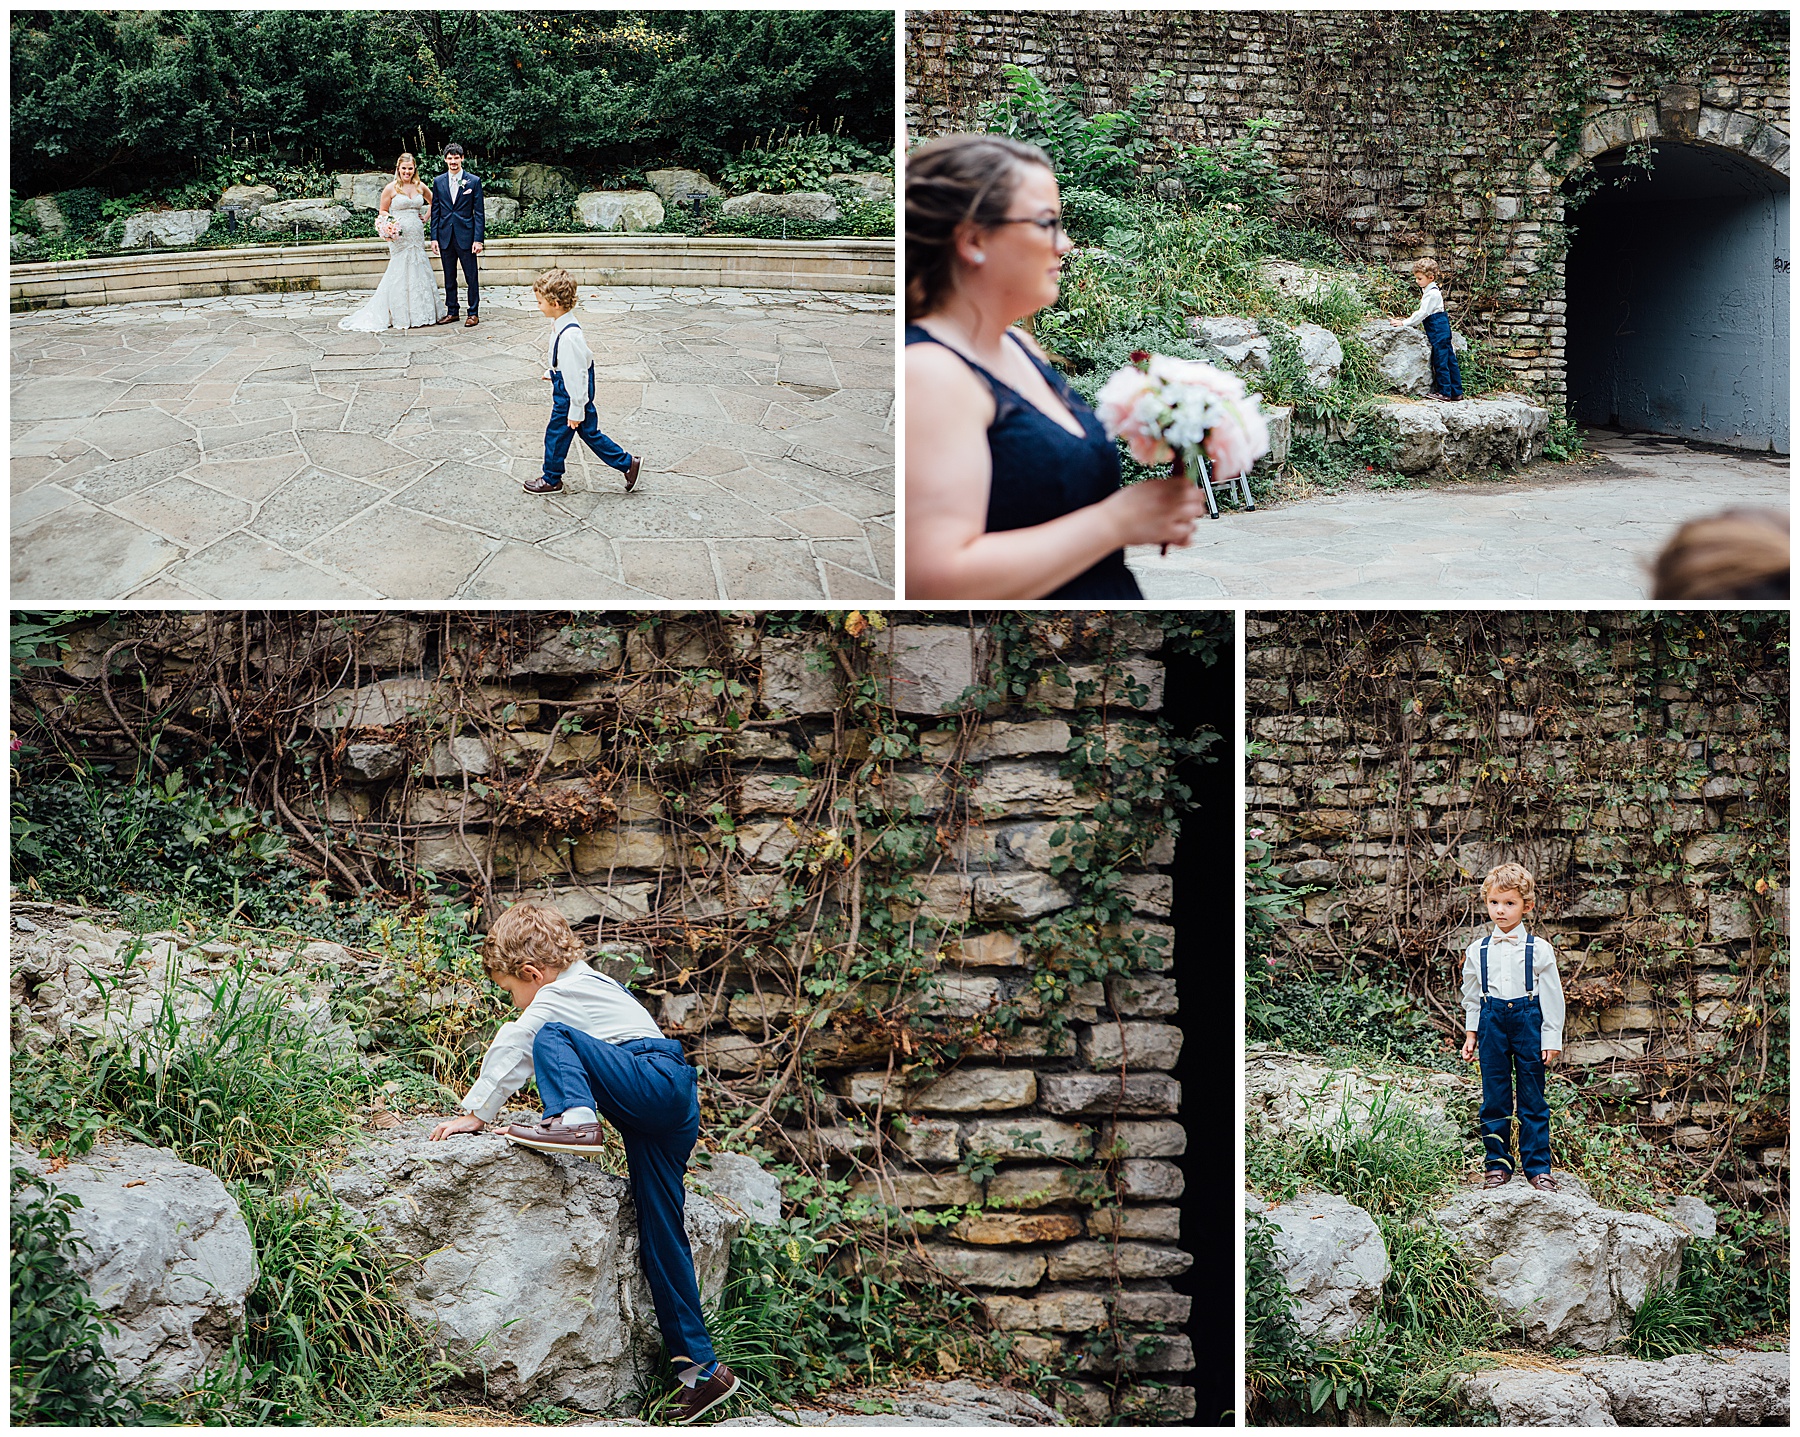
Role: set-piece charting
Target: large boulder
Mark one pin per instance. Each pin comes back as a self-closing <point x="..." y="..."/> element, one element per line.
<point x="1332" y="1258"/>
<point x="1502" y="431"/>
<point x="48" y="214"/>
<point x="168" y="1259"/>
<point x="527" y="1262"/>
<point x="1298" y="281"/>
<point x="531" y="183"/>
<point x="1243" y="344"/>
<point x="317" y="215"/>
<point x="499" y="209"/>
<point x="360" y="191"/>
<point x="619" y="209"/>
<point x="1289" y="1094"/>
<point x="1558" y="1267"/>
<point x="84" y="983"/>
<point x="248" y="199"/>
<point x="175" y="228"/>
<point x="868" y="184"/>
<point x="1725" y="1387"/>
<point x="674" y="184"/>
<point x="1402" y="355"/>
<point x="740" y="1185"/>
<point x="813" y="205"/>
<point x="1280" y="419"/>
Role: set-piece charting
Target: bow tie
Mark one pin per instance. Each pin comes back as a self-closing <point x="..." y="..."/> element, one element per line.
<point x="1516" y="936"/>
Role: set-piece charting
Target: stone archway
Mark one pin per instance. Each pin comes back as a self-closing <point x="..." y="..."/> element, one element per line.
<point x="1676" y="281"/>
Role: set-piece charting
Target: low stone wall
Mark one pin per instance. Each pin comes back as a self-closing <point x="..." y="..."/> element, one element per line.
<point x="852" y="266"/>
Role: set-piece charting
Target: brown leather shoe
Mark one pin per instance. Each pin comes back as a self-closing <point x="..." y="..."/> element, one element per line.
<point x="1497" y="1178"/>
<point x="631" y="474"/>
<point x="582" y="1139"/>
<point x="472" y="321"/>
<point x="1544" y="1183"/>
<point x="540" y="485"/>
<point x="696" y="1401"/>
<point x="450" y="319"/>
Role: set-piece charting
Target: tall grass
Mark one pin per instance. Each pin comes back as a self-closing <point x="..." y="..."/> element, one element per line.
<point x="226" y="1074"/>
<point x="1380" y="1154"/>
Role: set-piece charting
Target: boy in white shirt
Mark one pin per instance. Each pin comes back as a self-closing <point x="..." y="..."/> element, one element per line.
<point x="1446" y="375"/>
<point x="594" y="1049"/>
<point x="571" y="373"/>
<point x="1513" y="1009"/>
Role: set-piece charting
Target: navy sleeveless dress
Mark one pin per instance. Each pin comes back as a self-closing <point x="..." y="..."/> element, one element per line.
<point x="1042" y="472"/>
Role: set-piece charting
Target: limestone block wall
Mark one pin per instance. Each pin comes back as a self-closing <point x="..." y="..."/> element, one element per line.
<point x="855" y="863"/>
<point x="1637" y="764"/>
<point x="854" y="266"/>
<point x="1407" y="134"/>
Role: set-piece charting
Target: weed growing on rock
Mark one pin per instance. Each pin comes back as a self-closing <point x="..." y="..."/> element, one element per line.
<point x="61" y="1375"/>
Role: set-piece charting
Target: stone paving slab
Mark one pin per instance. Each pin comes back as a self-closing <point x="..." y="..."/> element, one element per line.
<point x="246" y="448"/>
<point x="1589" y="536"/>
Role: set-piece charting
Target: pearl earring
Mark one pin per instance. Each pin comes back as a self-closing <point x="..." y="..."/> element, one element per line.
<point x="980" y="258"/>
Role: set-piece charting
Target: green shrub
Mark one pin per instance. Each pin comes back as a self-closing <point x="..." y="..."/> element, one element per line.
<point x="1380" y="1155"/>
<point x="804" y="161"/>
<point x="1275" y="1354"/>
<point x="1730" y="1287"/>
<point x="1091" y="152"/>
<point x="61" y="1375"/>
<point x="1365" y="1015"/>
<point x="1245" y="176"/>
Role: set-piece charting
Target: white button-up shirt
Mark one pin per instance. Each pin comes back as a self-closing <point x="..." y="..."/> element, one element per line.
<point x="1431" y="302"/>
<point x="1506" y="979"/>
<point x="588" y="1001"/>
<point x="572" y="359"/>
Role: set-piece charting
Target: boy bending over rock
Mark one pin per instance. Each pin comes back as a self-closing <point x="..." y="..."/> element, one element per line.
<point x="595" y="1050"/>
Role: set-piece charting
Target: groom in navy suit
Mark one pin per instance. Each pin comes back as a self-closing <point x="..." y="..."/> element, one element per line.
<point x="458" y="226"/>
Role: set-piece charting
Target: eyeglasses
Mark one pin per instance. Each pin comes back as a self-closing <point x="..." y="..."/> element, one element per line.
<point x="1046" y="223"/>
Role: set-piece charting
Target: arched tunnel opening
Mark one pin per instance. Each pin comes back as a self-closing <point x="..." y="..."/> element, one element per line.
<point x="1677" y="289"/>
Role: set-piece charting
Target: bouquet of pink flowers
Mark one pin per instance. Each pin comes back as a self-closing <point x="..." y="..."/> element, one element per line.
<point x="1181" y="410"/>
<point x="388" y="228"/>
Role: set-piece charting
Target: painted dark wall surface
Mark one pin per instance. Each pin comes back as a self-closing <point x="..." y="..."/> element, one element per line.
<point x="1677" y="301"/>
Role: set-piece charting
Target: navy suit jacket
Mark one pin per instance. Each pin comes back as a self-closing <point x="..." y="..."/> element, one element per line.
<point x="460" y="225"/>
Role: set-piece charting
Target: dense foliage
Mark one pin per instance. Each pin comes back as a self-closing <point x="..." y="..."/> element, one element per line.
<point x="61" y="1375"/>
<point x="121" y="98"/>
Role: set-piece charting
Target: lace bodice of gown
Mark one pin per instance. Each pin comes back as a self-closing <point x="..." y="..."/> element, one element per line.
<point x="409" y="295"/>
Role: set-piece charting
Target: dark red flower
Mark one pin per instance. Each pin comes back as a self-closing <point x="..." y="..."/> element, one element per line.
<point x="1140" y="357"/>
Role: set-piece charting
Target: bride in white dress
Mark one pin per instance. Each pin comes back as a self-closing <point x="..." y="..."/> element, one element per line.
<point x="409" y="294"/>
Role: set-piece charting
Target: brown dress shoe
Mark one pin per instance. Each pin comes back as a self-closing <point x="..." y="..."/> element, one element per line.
<point x="702" y="1397"/>
<point x="631" y="474"/>
<point x="1544" y="1183"/>
<point x="1497" y="1178"/>
<point x="450" y="319"/>
<point x="472" y="321"/>
<point x="583" y="1139"/>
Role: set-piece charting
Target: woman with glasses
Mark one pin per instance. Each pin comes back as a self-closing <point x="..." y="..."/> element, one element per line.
<point x="1012" y="486"/>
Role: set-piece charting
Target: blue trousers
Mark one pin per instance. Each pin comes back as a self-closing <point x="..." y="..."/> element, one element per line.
<point x="647" y="1090"/>
<point x="557" y="435"/>
<point x="1446" y="376"/>
<point x="454" y="256"/>
<point x="1510" y="1042"/>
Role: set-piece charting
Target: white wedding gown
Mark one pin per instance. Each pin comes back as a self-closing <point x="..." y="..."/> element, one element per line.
<point x="409" y="294"/>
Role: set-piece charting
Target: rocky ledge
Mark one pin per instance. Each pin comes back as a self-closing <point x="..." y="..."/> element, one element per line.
<point x="1723" y="1387"/>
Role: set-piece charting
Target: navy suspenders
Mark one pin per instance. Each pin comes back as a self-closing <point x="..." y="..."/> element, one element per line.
<point x="1530" y="962"/>
<point x="555" y="349"/>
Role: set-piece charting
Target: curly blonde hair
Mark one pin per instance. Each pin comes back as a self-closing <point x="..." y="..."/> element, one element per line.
<point x="1427" y="267"/>
<point x="1509" y="878"/>
<point x="557" y="286"/>
<point x="533" y="933"/>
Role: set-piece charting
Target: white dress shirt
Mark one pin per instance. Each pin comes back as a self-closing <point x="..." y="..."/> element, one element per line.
<point x="573" y="359"/>
<point x="586" y="1000"/>
<point x="1506" y="979"/>
<point x="1431" y="302"/>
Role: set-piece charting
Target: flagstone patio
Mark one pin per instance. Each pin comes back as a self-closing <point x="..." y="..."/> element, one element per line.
<point x="247" y="449"/>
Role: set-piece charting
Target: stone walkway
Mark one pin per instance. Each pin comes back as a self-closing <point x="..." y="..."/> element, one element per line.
<point x="1591" y="535"/>
<point x="247" y="449"/>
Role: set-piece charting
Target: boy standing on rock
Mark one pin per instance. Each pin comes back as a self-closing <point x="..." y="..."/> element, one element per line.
<point x="594" y="1049"/>
<point x="1446" y="374"/>
<point x="1513" y="1011"/>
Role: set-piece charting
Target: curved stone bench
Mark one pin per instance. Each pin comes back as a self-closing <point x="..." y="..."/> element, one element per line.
<point x="856" y="266"/>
